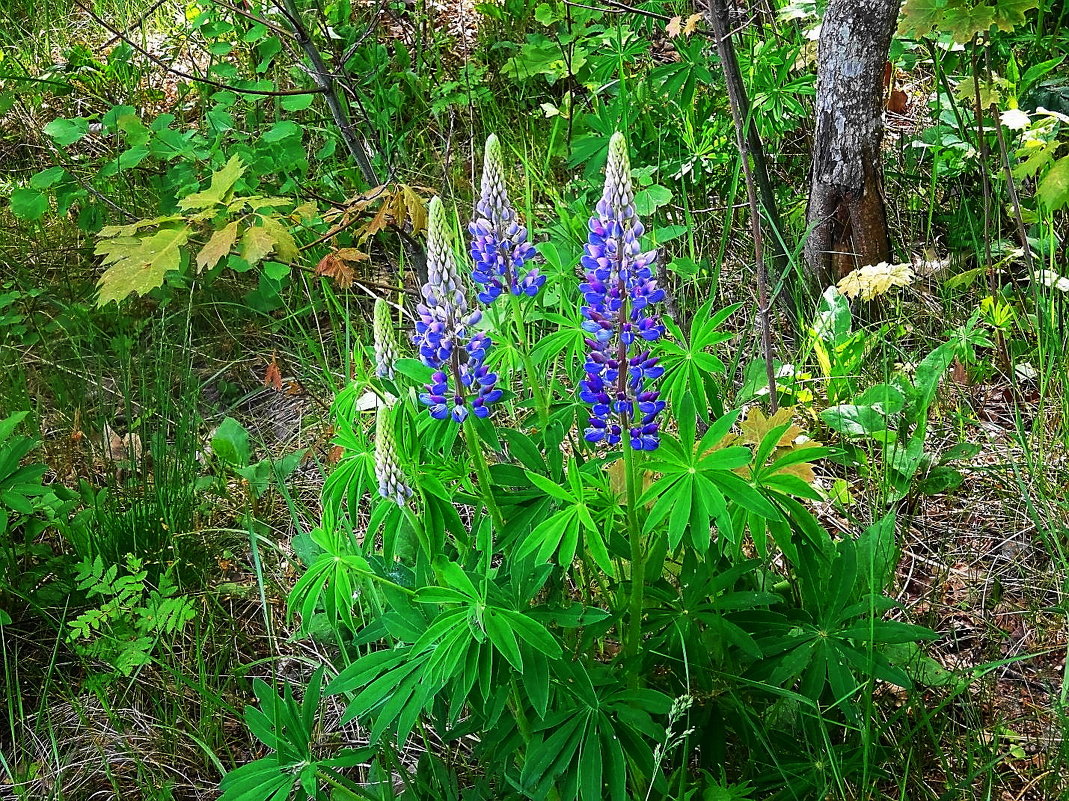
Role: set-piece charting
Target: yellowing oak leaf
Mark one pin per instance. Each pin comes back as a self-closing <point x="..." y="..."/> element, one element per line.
<point x="691" y="25"/>
<point x="674" y="26"/>
<point x="138" y="263"/>
<point x="217" y="246"/>
<point x="222" y="183"/>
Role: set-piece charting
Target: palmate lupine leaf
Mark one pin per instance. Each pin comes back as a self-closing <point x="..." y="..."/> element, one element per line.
<point x="138" y="264"/>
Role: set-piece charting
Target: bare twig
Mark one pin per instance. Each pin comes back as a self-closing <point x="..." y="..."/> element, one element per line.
<point x="739" y="105"/>
<point x="138" y="24"/>
<point x="354" y="142"/>
<point x="258" y="20"/>
<point x="188" y="75"/>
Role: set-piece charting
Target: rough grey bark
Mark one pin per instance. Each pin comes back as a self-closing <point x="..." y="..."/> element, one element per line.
<point x="847" y="217"/>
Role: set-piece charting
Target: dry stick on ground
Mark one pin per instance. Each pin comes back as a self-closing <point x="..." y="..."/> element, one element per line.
<point x="717" y="14"/>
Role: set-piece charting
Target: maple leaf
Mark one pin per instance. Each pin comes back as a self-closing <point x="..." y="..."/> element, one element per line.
<point x="1053" y="190"/>
<point x="132" y="229"/>
<point x="875" y="279"/>
<point x="1011" y="13"/>
<point x="256" y="243"/>
<point x="755" y="427"/>
<point x="273" y="376"/>
<point x="217" y="246"/>
<point x="138" y="264"/>
<point x="285" y="248"/>
<point x="416" y="208"/>
<point x="351" y="254"/>
<point x="222" y="182"/>
<point x="919" y="17"/>
<point x="964" y="22"/>
<point x="336" y="269"/>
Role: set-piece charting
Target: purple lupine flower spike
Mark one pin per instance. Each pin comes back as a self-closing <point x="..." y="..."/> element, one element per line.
<point x="499" y="243"/>
<point x="461" y="382"/>
<point x="618" y="292"/>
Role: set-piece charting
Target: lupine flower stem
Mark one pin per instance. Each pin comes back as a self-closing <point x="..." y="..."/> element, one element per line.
<point x="540" y="396"/>
<point x="482" y="472"/>
<point x="421" y="532"/>
<point x="633" y="635"/>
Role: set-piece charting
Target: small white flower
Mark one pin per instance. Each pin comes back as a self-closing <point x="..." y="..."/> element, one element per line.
<point x="1015" y="119"/>
<point x="1052" y="279"/>
<point x="1025" y="371"/>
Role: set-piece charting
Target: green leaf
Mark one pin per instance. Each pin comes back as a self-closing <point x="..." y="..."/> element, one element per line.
<point x="551" y="488"/>
<point x="67" y="132"/>
<point x="452" y="575"/>
<point x="230" y="443"/>
<point x="222" y="183"/>
<point x="1053" y="190"/>
<point x="533" y="633"/>
<point x="648" y="200"/>
<point x="283" y="129"/>
<point x="854" y="420"/>
<point x="28" y="204"/>
<point x="940" y="479"/>
<point x="137" y="264"/>
<point x="297" y="102"/>
<point x="1011" y="13"/>
<point x="46" y="178"/>
<point x="502" y="636"/>
<point x="276" y="271"/>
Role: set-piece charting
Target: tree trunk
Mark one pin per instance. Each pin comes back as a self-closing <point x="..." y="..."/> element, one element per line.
<point x="847" y="219"/>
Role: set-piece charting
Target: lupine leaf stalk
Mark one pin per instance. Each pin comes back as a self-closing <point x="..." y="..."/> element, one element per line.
<point x="385" y="340"/>
<point x="445" y="335"/>
<point x="619" y="292"/>
<point x="388" y="473"/>
<point x="500" y="252"/>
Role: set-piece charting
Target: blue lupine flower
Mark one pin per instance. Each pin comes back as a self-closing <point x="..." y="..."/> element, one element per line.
<point x="499" y="243"/>
<point x="461" y="381"/>
<point x="618" y="292"/>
